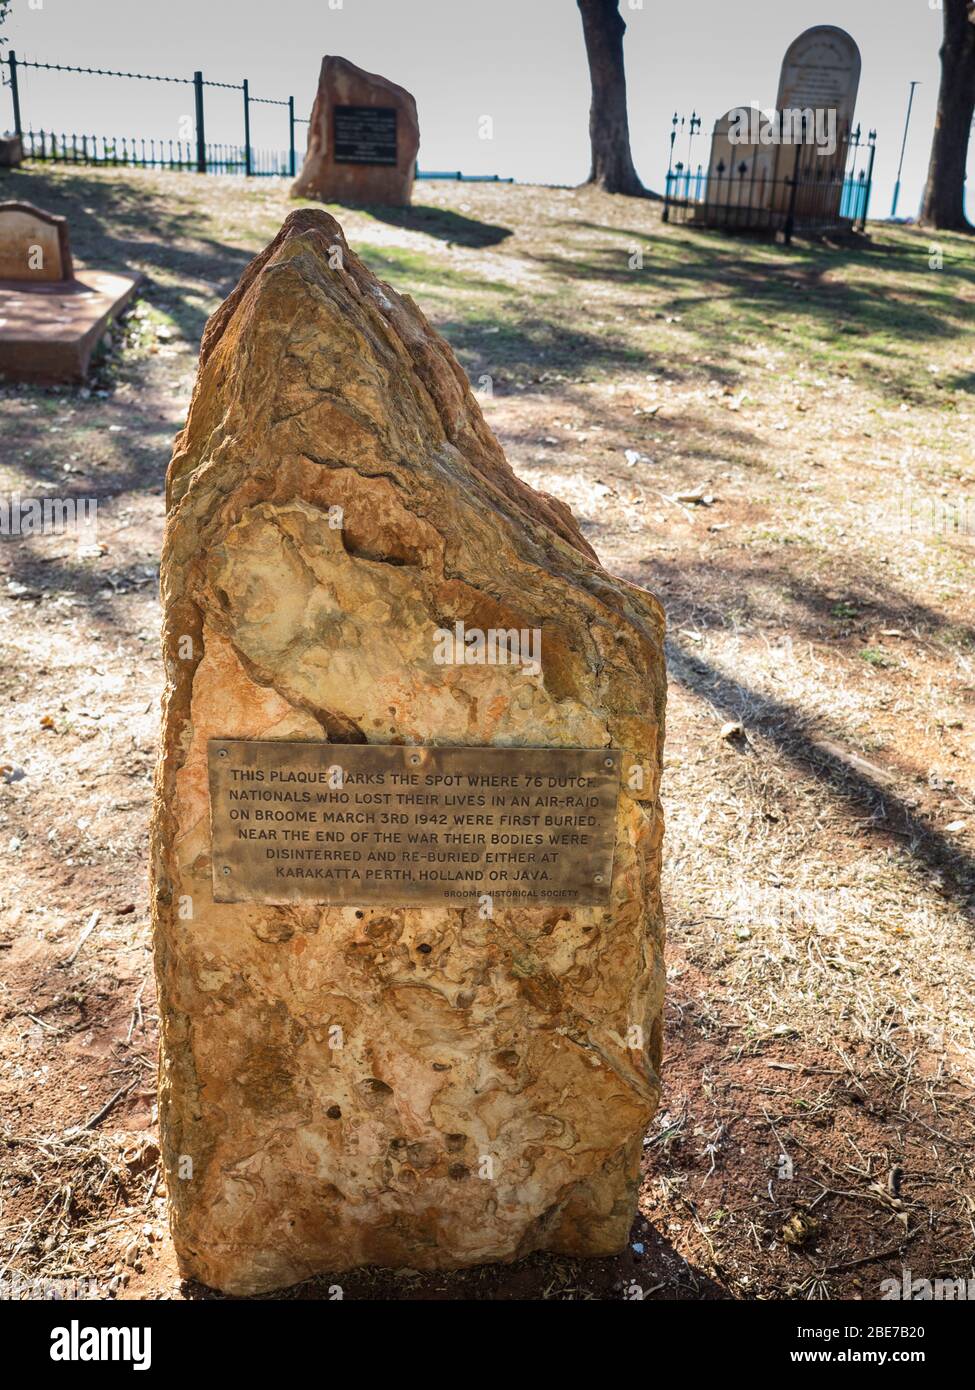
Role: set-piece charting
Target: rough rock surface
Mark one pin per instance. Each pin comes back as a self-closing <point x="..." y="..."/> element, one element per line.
<point x="341" y="83"/>
<point x="320" y="387"/>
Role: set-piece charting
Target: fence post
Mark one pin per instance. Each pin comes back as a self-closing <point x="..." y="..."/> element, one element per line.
<point x="247" y="128"/>
<point x="872" y="140"/>
<point x="670" y="165"/>
<point x="15" y="93"/>
<point x="201" y="147"/>
<point x="291" y="131"/>
<point x="790" y="221"/>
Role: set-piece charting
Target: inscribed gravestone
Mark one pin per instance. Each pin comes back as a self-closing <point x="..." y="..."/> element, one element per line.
<point x="403" y="661"/>
<point x="820" y="73"/>
<point x="363" y="138"/>
<point x="821" y="69"/>
<point x="33" y="245"/>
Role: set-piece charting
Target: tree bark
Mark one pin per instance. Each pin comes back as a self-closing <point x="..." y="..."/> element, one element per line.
<point x="609" y="130"/>
<point x="944" y="195"/>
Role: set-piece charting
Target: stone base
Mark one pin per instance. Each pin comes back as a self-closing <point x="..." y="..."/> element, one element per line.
<point x="49" y="332"/>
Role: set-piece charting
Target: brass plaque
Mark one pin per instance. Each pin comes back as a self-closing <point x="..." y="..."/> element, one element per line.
<point x="359" y="824"/>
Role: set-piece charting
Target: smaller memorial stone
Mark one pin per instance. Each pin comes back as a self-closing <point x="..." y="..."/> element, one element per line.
<point x="363" y="138"/>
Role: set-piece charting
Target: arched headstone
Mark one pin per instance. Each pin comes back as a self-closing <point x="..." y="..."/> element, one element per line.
<point x="821" y="70"/>
<point x="51" y="319"/>
<point x="817" y="93"/>
<point x="740" y="171"/>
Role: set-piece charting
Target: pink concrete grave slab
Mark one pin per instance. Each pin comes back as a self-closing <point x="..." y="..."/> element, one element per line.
<point x="51" y="320"/>
<point x="48" y="332"/>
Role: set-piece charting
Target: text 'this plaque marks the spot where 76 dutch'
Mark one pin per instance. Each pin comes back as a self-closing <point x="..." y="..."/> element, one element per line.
<point x="392" y="1064"/>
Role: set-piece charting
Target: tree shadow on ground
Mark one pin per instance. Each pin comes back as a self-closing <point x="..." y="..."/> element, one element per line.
<point x="789" y="292"/>
<point x="442" y="223"/>
<point x="786" y="726"/>
<point x="706" y="594"/>
<point x="723" y="1078"/>
<point x="420" y="275"/>
<point x="529" y="347"/>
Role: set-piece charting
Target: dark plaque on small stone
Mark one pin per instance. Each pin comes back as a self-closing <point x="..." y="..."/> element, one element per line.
<point x="355" y="824"/>
<point x="364" y="134"/>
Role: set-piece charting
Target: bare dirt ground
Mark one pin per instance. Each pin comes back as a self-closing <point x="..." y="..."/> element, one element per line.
<point x="775" y="441"/>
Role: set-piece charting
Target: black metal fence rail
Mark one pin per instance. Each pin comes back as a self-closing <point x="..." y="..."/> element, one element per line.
<point x="196" y="154"/>
<point x="204" y="157"/>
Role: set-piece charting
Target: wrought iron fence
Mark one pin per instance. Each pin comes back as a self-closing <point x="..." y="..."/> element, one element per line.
<point x="195" y="154"/>
<point x="773" y="189"/>
<point x="188" y="154"/>
<point x="135" y="152"/>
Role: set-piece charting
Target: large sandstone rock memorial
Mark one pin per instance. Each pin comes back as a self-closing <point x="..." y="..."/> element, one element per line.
<point x="406" y="833"/>
<point x="363" y="138"/>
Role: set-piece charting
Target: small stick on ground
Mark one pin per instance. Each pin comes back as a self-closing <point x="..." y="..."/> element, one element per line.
<point x="136" y="1013"/>
<point x="92" y="923"/>
<point x="122" y="1090"/>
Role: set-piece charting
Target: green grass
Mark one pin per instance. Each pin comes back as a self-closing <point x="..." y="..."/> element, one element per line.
<point x="874" y="657"/>
<point x="875" y="312"/>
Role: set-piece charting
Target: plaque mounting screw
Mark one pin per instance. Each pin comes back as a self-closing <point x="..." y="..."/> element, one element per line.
<point x="607" y="762"/>
<point x="223" y="752"/>
<point x="226" y="869"/>
<point x="414" y="758"/>
<point x="597" y="879"/>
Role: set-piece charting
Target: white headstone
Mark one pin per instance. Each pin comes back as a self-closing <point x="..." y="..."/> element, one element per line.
<point x="740" y="173"/>
<point x="821" y="71"/>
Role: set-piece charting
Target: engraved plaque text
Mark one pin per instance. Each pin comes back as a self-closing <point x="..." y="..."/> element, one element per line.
<point x="354" y="824"/>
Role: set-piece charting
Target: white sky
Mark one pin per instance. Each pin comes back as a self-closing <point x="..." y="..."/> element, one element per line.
<point x="522" y="62"/>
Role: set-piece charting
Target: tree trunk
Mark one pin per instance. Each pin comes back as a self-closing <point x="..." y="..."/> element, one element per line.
<point x="609" y="130"/>
<point x="944" y="195"/>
